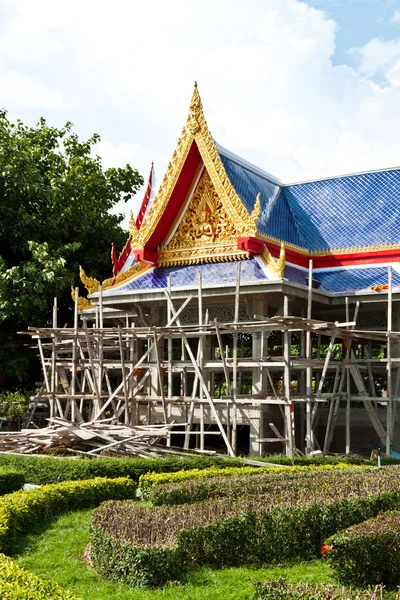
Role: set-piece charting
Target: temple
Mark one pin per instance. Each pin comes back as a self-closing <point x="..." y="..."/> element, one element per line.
<point x="266" y="312"/>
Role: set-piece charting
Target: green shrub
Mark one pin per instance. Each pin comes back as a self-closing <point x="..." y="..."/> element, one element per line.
<point x="10" y="481"/>
<point x="194" y="486"/>
<point x="368" y="553"/>
<point x="14" y="404"/>
<point x="23" y="508"/>
<point x="290" y="522"/>
<point x="18" y="584"/>
<point x="279" y="589"/>
<point x="282" y="459"/>
<point x="141" y="567"/>
<point x="47" y="469"/>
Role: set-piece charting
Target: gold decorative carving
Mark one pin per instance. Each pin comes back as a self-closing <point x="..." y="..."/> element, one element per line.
<point x="83" y="303"/>
<point x="276" y="267"/>
<point x="134" y="232"/>
<point x="90" y="283"/>
<point x="196" y="129"/>
<point x="125" y="276"/>
<point x="205" y="234"/>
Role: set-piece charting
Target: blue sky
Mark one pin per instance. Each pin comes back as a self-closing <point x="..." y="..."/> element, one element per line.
<point x="302" y="89"/>
<point x="358" y="21"/>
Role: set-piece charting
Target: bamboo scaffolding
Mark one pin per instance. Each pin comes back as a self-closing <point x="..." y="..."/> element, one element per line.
<point x="98" y="372"/>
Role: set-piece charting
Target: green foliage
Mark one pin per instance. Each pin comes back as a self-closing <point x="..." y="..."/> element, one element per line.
<point x="193" y="486"/>
<point x="280" y="589"/>
<point x="47" y="469"/>
<point x="54" y="550"/>
<point x="23" y="508"/>
<point x="289" y="522"/>
<point x="148" y="567"/>
<point x="282" y="459"/>
<point x="18" y="584"/>
<point x="368" y="553"/>
<point x="55" y="199"/>
<point x="10" y="481"/>
<point x="13" y="404"/>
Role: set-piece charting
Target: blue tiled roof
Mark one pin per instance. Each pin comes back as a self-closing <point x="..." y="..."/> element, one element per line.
<point x="343" y="280"/>
<point x="355" y="210"/>
<point x="213" y="274"/>
<point x="276" y="218"/>
<point x="341" y="212"/>
<point x="346" y="280"/>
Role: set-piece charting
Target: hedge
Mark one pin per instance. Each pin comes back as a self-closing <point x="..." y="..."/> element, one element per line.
<point x="148" y="480"/>
<point x="18" y="584"/>
<point x="130" y="541"/>
<point x="23" y="508"/>
<point x="47" y="469"/>
<point x="10" y="481"/>
<point x="368" y="553"/>
<point x="279" y="589"/>
<point x="194" y="486"/>
<point x="282" y="459"/>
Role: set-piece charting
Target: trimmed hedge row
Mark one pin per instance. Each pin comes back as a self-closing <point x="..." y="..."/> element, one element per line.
<point x="149" y="480"/>
<point x="150" y="546"/>
<point x="46" y="469"/>
<point x="229" y="482"/>
<point x="20" y="509"/>
<point x="368" y="553"/>
<point x="282" y="459"/>
<point x="279" y="589"/>
<point x="252" y="537"/>
<point x="18" y="584"/>
<point x="10" y="481"/>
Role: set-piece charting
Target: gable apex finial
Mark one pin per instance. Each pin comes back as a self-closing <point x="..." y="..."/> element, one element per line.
<point x="196" y="106"/>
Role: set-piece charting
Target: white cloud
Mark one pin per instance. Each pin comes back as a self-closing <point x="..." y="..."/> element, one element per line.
<point x="264" y="69"/>
<point x="377" y="55"/>
<point x="396" y="17"/>
<point x="20" y="91"/>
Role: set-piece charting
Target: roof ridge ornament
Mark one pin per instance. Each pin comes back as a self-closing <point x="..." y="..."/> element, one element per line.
<point x="277" y="268"/>
<point x="90" y="283"/>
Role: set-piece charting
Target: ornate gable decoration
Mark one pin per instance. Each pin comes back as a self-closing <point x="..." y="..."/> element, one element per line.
<point x="225" y="216"/>
<point x="205" y="233"/>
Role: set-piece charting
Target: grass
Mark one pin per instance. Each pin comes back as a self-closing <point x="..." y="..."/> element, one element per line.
<point x="54" y="550"/>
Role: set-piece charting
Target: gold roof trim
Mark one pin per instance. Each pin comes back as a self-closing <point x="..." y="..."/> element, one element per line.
<point x="196" y="129"/>
<point x="83" y="303"/>
<point x="125" y="276"/>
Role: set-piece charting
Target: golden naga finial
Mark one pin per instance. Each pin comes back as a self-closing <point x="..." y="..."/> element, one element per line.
<point x="281" y="262"/>
<point x="90" y="283"/>
<point x="277" y="267"/>
<point x="83" y="303"/>
<point x="252" y="218"/>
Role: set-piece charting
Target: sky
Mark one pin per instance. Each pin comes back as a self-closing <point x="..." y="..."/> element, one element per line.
<point x="301" y="89"/>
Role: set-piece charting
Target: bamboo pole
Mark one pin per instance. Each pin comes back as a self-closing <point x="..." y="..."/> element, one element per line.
<point x="389" y="363"/>
<point x="235" y="358"/>
<point x="309" y="434"/>
<point x="201" y="353"/>
<point x="201" y="381"/>
<point x="289" y="420"/>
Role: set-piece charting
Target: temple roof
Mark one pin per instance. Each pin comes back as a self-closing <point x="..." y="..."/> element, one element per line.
<point x="333" y="281"/>
<point x="213" y="206"/>
<point x="322" y="215"/>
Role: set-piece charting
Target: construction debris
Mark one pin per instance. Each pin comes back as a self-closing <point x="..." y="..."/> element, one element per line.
<point x="95" y="438"/>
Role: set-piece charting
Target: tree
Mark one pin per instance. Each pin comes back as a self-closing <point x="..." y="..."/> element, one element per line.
<point x="55" y="200"/>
